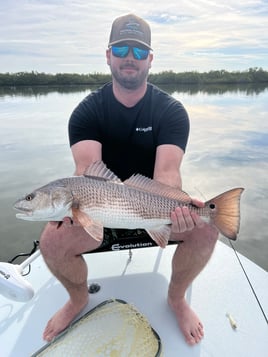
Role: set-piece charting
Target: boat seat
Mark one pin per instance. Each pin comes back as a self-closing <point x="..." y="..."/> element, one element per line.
<point x="121" y="239"/>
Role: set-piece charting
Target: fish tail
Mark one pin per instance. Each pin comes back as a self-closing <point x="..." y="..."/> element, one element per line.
<point x="225" y="212"/>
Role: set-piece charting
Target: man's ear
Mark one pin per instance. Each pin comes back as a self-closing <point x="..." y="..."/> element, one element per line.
<point x="151" y="57"/>
<point x="108" y="56"/>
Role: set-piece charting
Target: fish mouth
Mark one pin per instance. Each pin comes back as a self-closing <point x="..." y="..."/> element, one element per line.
<point x="24" y="212"/>
<point x="25" y="215"/>
<point x="23" y="209"/>
<point x="21" y="215"/>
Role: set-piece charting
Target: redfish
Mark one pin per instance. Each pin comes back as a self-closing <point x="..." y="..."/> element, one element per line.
<point x="100" y="199"/>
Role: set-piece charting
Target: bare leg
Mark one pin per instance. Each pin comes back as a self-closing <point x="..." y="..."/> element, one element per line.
<point x="189" y="259"/>
<point x="61" y="249"/>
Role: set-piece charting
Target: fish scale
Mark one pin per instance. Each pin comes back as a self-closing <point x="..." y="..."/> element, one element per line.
<point x="116" y="200"/>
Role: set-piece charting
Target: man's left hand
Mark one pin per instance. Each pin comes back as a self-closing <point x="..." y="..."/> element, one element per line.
<point x="183" y="219"/>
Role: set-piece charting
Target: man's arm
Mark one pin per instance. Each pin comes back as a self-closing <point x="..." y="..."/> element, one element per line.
<point x="85" y="153"/>
<point x="167" y="170"/>
<point x="167" y="165"/>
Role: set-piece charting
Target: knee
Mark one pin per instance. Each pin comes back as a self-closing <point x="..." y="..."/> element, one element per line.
<point x="59" y="243"/>
<point x="208" y="235"/>
<point x="50" y="241"/>
<point x="203" y="238"/>
<point x="206" y="241"/>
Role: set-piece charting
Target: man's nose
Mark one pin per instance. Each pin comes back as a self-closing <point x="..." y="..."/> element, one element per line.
<point x="130" y="54"/>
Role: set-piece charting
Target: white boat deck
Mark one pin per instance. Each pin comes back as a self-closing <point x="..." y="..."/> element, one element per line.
<point x="221" y="288"/>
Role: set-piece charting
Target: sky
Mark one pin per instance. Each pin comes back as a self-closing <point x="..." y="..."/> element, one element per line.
<point x="71" y="36"/>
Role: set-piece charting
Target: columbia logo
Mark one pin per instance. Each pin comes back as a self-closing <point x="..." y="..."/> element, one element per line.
<point x="144" y="130"/>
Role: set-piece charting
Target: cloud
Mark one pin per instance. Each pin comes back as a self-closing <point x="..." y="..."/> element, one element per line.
<point x="46" y="35"/>
<point x="168" y="18"/>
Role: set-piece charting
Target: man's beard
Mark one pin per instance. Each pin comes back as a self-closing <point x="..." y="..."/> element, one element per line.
<point x="130" y="81"/>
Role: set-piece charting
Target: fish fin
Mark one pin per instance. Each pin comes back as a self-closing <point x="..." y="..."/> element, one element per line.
<point x="225" y="212"/>
<point x="93" y="228"/>
<point x="160" y="235"/>
<point x="98" y="169"/>
<point x="146" y="184"/>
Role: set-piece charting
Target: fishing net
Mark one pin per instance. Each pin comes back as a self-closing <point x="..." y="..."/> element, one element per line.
<point x="112" y="329"/>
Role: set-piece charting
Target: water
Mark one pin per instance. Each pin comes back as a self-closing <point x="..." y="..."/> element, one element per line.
<point x="228" y="147"/>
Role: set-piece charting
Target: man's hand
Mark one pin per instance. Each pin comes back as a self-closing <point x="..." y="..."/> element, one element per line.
<point x="66" y="221"/>
<point x="185" y="220"/>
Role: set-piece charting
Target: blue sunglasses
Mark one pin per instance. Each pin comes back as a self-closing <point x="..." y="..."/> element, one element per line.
<point x="123" y="51"/>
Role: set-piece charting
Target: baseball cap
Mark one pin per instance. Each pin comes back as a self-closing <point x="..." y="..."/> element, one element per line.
<point x="130" y="28"/>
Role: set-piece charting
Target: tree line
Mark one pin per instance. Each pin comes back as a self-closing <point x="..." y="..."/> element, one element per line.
<point x="249" y="76"/>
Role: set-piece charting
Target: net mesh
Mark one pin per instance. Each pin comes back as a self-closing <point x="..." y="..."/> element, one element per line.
<point x="113" y="329"/>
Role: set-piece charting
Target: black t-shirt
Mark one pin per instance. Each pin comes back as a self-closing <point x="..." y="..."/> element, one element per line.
<point x="130" y="136"/>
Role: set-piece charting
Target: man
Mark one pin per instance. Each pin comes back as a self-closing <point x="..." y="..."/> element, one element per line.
<point x="134" y="128"/>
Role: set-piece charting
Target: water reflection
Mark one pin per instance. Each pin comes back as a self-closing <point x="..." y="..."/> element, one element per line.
<point x="247" y="89"/>
<point x="227" y="148"/>
<point x="27" y="91"/>
<point x="37" y="91"/>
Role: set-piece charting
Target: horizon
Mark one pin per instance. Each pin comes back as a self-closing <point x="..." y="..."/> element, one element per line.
<point x="153" y="73"/>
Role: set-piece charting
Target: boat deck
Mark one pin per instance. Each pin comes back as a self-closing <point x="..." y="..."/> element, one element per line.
<point x="220" y="289"/>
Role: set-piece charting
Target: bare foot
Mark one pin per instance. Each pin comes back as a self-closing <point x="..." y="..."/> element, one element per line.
<point x="189" y="323"/>
<point x="61" y="320"/>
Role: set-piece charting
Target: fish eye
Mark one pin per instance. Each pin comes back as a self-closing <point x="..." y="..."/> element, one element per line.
<point x="29" y="197"/>
<point x="212" y="206"/>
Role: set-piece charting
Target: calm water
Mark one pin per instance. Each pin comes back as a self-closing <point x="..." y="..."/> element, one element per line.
<point x="228" y="147"/>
